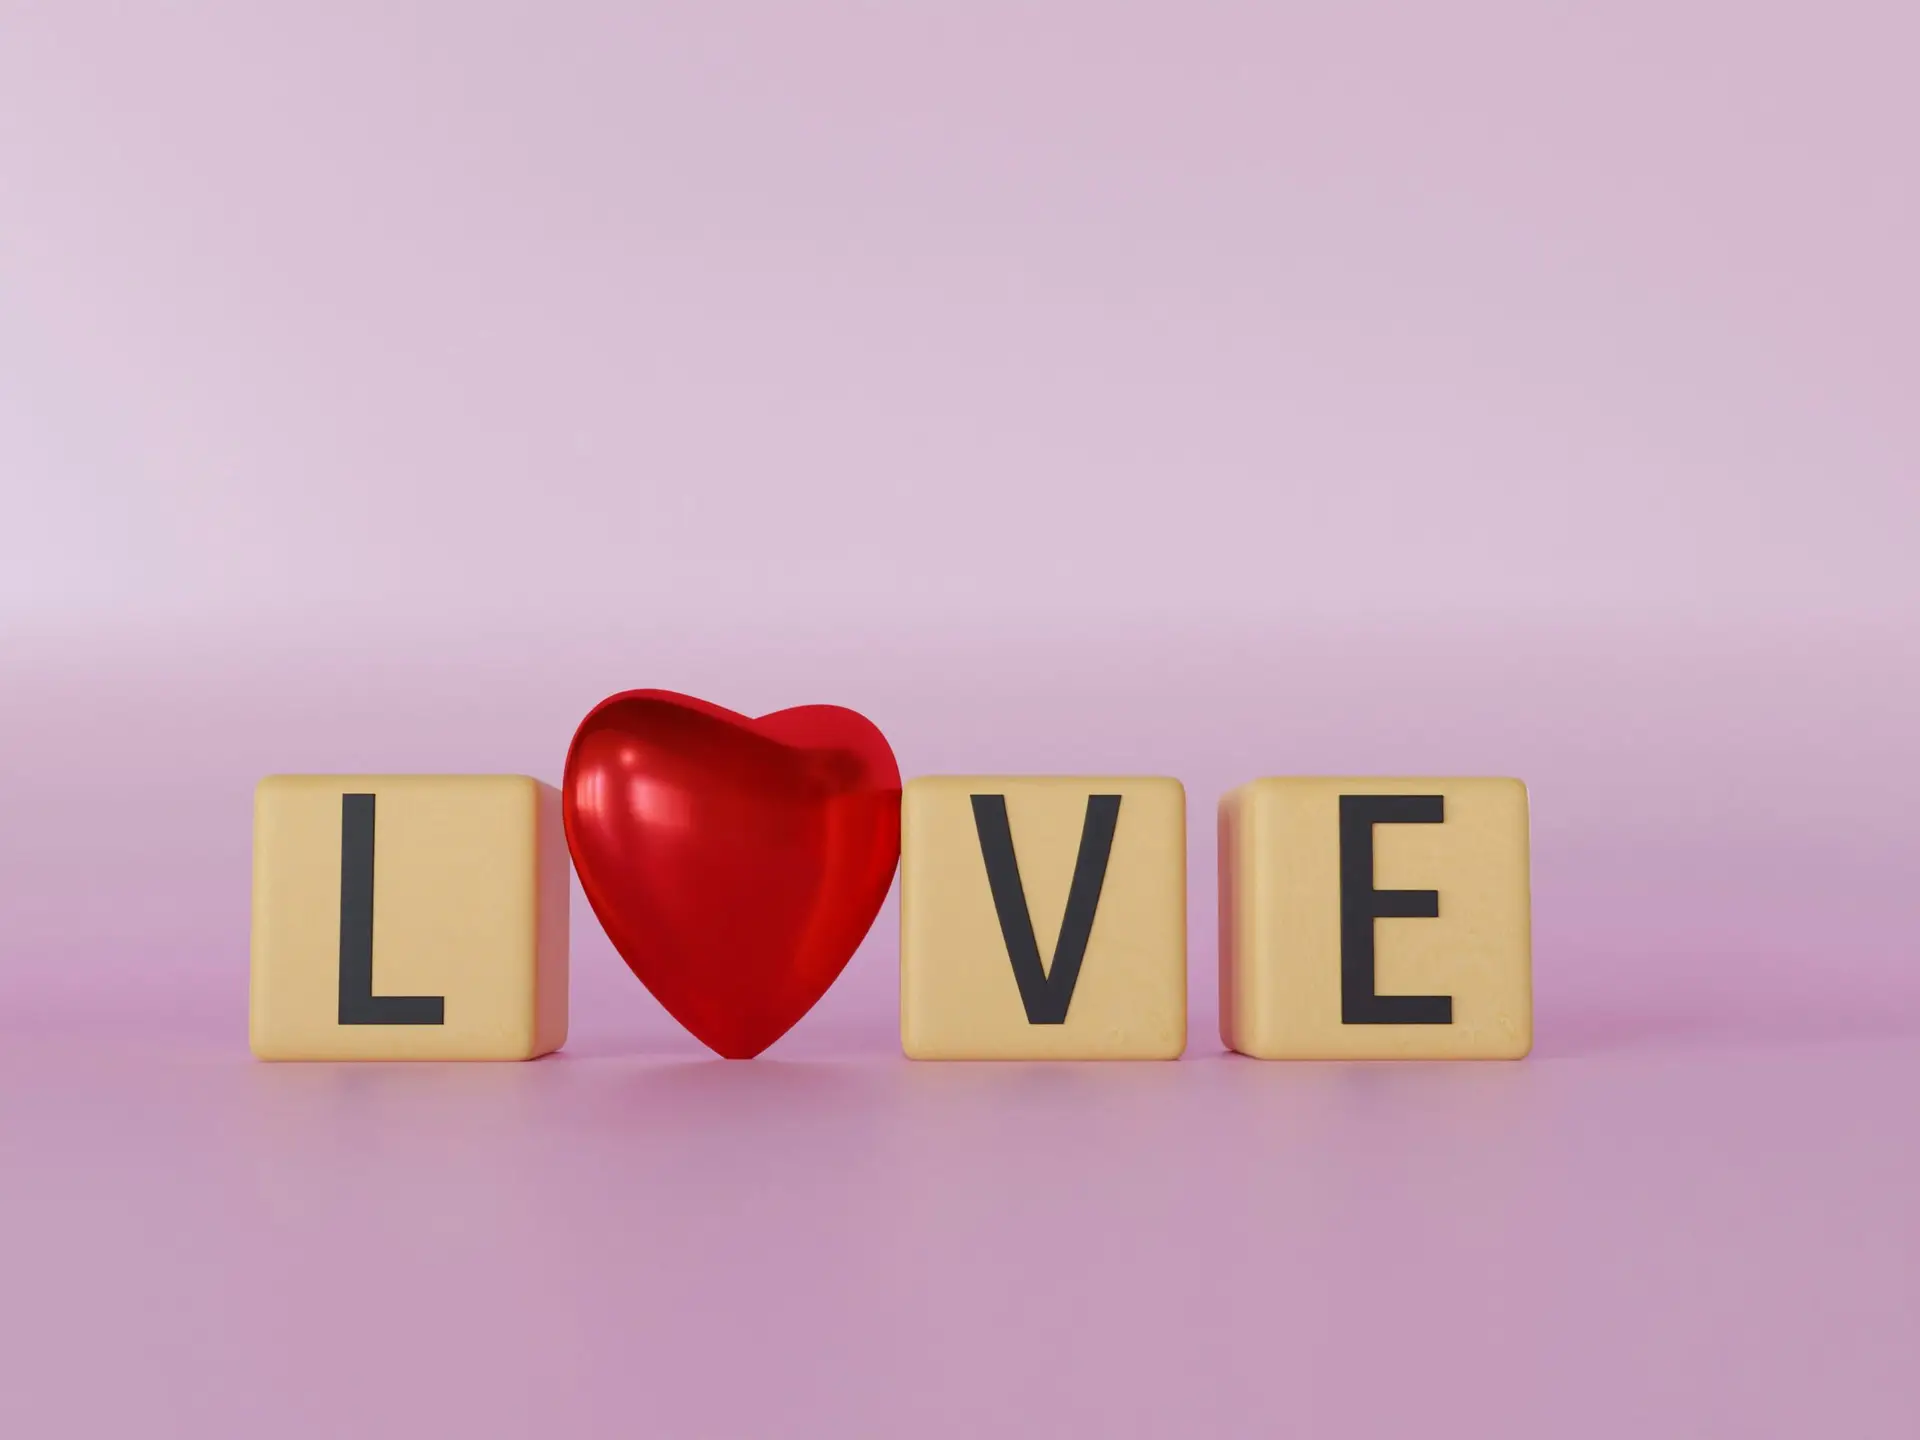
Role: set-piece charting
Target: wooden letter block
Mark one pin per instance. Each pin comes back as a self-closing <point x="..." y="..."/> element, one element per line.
<point x="408" y="917"/>
<point x="1376" y="920"/>
<point x="1043" y="918"/>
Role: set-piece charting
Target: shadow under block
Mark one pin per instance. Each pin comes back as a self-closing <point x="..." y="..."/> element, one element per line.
<point x="408" y="917"/>
<point x="1043" y="918"/>
<point x="1376" y="919"/>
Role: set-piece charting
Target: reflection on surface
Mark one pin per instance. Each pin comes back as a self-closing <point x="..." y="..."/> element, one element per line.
<point x="615" y="1227"/>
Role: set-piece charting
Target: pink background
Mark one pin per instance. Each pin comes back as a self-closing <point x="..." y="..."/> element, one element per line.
<point x="1184" y="388"/>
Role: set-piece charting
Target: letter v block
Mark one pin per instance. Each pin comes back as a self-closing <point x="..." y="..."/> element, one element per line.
<point x="408" y="917"/>
<point x="1376" y="920"/>
<point x="1043" y="918"/>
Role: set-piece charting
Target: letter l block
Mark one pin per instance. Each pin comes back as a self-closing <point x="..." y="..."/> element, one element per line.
<point x="408" y="917"/>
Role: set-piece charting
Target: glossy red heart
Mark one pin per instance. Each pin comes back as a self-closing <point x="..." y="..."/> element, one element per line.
<point x="735" y="863"/>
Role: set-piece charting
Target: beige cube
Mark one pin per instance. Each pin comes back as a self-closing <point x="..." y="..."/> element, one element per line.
<point x="1043" y="918"/>
<point x="1376" y="919"/>
<point x="408" y="917"/>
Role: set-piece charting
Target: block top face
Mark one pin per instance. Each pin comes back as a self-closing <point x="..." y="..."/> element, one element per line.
<point x="413" y="784"/>
<point x="962" y="991"/>
<point x="926" y="795"/>
<point x="1305" y="863"/>
<point x="1379" y="784"/>
<point x="1061" y="784"/>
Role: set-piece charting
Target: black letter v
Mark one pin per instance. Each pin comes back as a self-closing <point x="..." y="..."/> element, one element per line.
<point x="1046" y="993"/>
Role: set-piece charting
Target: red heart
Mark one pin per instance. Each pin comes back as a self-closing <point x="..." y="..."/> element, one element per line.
<point x="735" y="863"/>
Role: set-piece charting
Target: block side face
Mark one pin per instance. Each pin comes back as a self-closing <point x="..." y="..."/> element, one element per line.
<point x="552" y="982"/>
<point x="1475" y="950"/>
<point x="960" y="997"/>
<point x="1263" y="885"/>
<point x="1169" y="798"/>
<point x="454" y="915"/>
<point x="1226" y="870"/>
<point x="267" y="1035"/>
<point x="917" y="866"/>
<point x="1509" y="798"/>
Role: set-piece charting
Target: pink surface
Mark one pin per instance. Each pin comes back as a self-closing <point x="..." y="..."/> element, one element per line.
<point x="1176" y="389"/>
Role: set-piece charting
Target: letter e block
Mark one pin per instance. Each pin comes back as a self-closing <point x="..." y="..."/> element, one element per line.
<point x="1376" y="920"/>
<point x="1043" y="918"/>
<point x="408" y="917"/>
